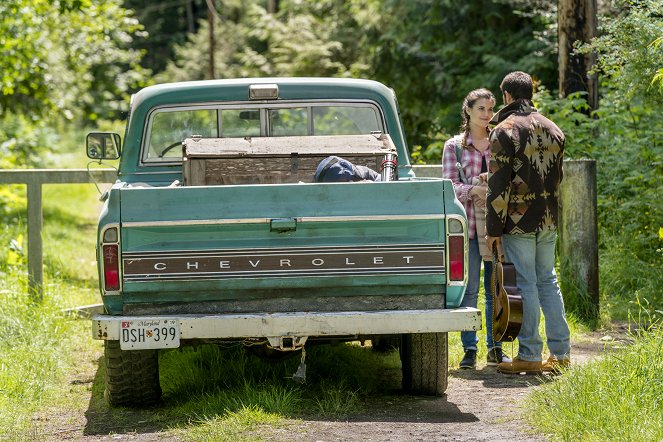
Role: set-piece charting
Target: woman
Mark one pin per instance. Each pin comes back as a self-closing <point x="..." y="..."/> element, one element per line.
<point x="469" y="175"/>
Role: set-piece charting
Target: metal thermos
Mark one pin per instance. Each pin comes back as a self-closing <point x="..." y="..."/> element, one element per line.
<point x="389" y="167"/>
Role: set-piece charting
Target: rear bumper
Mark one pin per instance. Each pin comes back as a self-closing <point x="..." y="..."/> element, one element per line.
<point x="302" y="324"/>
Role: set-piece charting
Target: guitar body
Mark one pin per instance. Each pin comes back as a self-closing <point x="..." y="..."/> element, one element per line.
<point x="507" y="303"/>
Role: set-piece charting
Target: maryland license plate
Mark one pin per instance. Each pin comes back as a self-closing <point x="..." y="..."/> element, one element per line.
<point x="145" y="334"/>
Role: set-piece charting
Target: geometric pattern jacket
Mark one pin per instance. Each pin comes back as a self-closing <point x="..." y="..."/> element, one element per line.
<point x="524" y="172"/>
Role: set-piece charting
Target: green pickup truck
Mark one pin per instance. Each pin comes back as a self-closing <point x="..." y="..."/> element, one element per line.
<point x="216" y="231"/>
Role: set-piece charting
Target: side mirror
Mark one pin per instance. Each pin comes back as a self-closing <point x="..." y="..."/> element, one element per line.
<point x="102" y="145"/>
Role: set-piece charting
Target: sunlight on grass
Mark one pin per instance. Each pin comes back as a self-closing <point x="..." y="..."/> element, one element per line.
<point x="618" y="397"/>
<point x="69" y="235"/>
<point x="232" y="391"/>
<point x="37" y="342"/>
<point x="228" y="426"/>
<point x="35" y="350"/>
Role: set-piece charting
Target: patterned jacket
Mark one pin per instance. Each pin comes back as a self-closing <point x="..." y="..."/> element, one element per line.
<point x="525" y="171"/>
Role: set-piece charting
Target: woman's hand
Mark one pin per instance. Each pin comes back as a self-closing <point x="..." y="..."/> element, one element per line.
<point x="478" y="194"/>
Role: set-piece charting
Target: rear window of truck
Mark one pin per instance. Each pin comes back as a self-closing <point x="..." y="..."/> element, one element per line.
<point x="168" y="127"/>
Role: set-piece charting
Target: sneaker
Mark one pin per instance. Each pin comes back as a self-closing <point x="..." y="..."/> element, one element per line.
<point x="518" y="366"/>
<point x="554" y="365"/>
<point x="470" y="360"/>
<point x="495" y="356"/>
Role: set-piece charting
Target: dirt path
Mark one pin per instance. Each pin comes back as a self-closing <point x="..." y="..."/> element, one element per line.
<point x="480" y="405"/>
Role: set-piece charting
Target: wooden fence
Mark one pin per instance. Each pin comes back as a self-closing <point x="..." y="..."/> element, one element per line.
<point x="34" y="179"/>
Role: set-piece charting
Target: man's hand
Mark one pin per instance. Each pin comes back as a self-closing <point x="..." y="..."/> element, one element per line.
<point x="479" y="192"/>
<point x="490" y="240"/>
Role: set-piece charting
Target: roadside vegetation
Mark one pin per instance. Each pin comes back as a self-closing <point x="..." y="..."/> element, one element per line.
<point x="51" y="91"/>
<point x="618" y="397"/>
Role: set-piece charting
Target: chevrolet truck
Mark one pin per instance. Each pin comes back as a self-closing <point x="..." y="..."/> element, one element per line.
<point x="216" y="230"/>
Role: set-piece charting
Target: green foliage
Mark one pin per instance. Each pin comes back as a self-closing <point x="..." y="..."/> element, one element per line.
<point x="231" y="391"/>
<point x="68" y="58"/>
<point x="301" y="40"/>
<point x="629" y="50"/>
<point x="36" y="342"/>
<point x="240" y="378"/>
<point x="166" y="24"/>
<point x="624" y="137"/>
<point x="434" y="52"/>
<point x="618" y="397"/>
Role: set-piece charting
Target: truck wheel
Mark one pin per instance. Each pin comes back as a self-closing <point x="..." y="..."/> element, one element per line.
<point x="424" y="360"/>
<point x="132" y="376"/>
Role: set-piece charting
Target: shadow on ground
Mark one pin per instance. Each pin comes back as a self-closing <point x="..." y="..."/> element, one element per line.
<point x="103" y="419"/>
<point x="393" y="406"/>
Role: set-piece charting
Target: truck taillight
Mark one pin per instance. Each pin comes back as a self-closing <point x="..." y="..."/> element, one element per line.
<point x="111" y="268"/>
<point x="456" y="250"/>
<point x="456" y="258"/>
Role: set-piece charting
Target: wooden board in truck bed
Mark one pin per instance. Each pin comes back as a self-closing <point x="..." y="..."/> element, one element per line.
<point x="267" y="160"/>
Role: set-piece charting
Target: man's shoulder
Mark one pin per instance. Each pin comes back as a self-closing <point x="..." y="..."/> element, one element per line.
<point x="549" y="125"/>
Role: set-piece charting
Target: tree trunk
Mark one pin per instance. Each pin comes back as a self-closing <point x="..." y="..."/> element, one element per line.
<point x="576" y="21"/>
<point x="272" y="6"/>
<point x="212" y="42"/>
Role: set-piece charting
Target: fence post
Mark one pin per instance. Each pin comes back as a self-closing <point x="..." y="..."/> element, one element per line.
<point x="578" y="237"/>
<point x="35" y="259"/>
<point x="34" y="178"/>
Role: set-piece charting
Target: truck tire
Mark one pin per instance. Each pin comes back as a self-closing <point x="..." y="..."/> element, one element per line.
<point x="132" y="376"/>
<point x="424" y="360"/>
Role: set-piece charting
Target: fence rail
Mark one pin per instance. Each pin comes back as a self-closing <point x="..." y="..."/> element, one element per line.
<point x="34" y="179"/>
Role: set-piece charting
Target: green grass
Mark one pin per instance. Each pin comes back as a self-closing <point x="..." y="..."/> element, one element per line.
<point x="230" y="390"/>
<point x="38" y="345"/>
<point x="618" y="397"/>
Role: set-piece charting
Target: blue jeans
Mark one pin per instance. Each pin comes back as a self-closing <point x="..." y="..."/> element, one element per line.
<point x="469" y="338"/>
<point x="533" y="255"/>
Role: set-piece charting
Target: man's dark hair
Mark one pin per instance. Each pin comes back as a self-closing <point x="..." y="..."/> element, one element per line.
<point x="518" y="84"/>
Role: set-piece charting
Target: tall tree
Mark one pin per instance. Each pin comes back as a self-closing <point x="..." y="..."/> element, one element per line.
<point x="167" y="24"/>
<point x="577" y="22"/>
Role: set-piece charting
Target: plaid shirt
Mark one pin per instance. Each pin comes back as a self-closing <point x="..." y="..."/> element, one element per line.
<point x="471" y="162"/>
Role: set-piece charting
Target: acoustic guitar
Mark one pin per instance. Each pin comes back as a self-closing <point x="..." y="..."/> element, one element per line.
<point x="507" y="302"/>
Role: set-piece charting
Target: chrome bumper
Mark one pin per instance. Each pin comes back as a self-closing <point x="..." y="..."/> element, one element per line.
<point x="248" y="325"/>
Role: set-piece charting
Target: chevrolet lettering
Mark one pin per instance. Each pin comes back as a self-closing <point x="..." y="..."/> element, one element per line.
<point x="375" y="260"/>
<point x="220" y="231"/>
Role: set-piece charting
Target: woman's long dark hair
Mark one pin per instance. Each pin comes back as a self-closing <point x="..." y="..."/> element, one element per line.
<point x="468" y="103"/>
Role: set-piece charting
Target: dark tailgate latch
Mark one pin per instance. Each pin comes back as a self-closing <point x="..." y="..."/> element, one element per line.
<point x="281" y="225"/>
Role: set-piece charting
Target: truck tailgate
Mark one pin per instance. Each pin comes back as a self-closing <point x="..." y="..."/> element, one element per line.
<point x="279" y="243"/>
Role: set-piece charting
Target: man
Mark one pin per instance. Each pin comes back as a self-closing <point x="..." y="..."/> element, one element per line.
<point x="522" y="202"/>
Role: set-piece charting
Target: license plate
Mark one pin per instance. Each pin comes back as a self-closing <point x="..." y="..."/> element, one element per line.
<point x="149" y="334"/>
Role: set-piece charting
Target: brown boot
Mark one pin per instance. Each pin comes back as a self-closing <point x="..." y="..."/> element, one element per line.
<point x="518" y="366"/>
<point x="554" y="365"/>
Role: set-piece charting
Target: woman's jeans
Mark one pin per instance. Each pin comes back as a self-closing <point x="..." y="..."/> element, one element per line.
<point x="469" y="338"/>
<point x="533" y="255"/>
